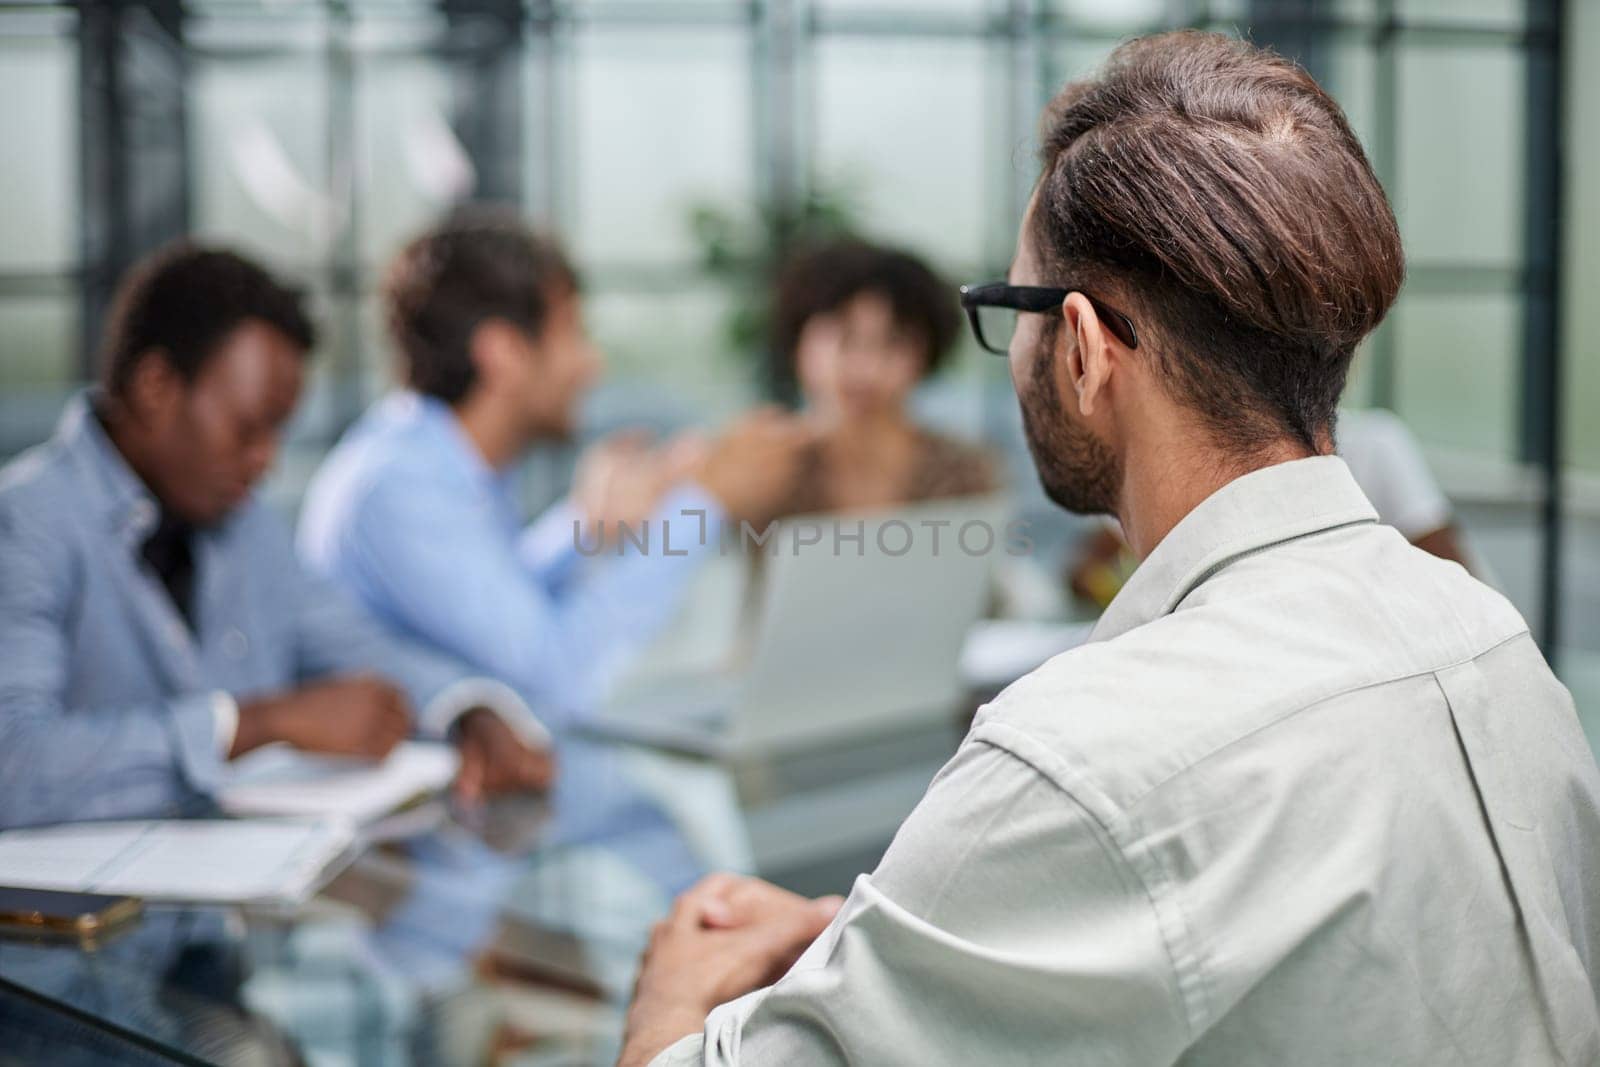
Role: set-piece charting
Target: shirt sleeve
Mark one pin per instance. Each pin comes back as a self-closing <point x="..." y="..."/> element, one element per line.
<point x="225" y="716"/>
<point x="1003" y="926"/>
<point x="334" y="637"/>
<point x="549" y="546"/>
<point x="439" y="562"/>
<point x="464" y="694"/>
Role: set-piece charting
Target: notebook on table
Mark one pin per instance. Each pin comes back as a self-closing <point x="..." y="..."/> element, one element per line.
<point x="193" y="861"/>
<point x="278" y="780"/>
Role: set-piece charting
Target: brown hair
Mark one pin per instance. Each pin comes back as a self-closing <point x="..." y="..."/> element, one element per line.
<point x="1217" y="191"/>
<point x="824" y="277"/>
<point x="481" y="263"/>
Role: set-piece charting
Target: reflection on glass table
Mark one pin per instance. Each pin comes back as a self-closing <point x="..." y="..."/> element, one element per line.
<point x="507" y="938"/>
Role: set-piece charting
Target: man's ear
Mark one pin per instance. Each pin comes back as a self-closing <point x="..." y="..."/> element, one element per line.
<point x="495" y="347"/>
<point x="154" y="385"/>
<point x="1093" y="357"/>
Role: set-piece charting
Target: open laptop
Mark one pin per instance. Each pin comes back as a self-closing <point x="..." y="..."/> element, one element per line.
<point x="852" y="638"/>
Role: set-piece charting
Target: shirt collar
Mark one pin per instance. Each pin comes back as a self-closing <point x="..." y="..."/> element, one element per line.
<point x="119" y="494"/>
<point x="1263" y="508"/>
<point x="440" y="425"/>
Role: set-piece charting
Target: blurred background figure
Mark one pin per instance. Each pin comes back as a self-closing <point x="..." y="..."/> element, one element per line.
<point x="858" y="327"/>
<point x="1391" y="469"/>
<point x="414" y="512"/>
<point x="154" y="623"/>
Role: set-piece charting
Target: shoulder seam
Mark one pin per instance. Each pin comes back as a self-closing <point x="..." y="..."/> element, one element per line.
<point x="944" y="885"/>
<point x="1170" y="919"/>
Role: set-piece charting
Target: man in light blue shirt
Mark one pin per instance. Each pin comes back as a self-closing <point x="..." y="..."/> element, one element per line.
<point x="414" y="513"/>
<point x="154" y="622"/>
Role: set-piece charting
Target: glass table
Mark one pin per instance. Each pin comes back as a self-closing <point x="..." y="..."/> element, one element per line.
<point x="510" y="937"/>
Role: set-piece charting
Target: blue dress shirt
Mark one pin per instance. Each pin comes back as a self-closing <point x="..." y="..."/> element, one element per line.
<point x="109" y="703"/>
<point x="408" y="516"/>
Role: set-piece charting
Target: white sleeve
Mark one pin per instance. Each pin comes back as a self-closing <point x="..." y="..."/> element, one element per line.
<point x="459" y="697"/>
<point x="1388" y="464"/>
<point x="225" y="719"/>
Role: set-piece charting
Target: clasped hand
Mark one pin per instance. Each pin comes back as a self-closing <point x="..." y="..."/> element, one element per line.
<point x="727" y="936"/>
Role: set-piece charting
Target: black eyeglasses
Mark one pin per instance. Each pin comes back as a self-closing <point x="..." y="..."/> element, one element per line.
<point x="993" y="310"/>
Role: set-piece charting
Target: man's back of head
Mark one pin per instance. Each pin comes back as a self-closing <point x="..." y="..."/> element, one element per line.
<point x="1220" y="193"/>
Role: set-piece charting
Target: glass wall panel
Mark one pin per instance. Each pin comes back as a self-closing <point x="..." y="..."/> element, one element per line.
<point x="1123" y="17"/>
<point x="41" y="148"/>
<point x="1581" y="334"/>
<point x="1457" y="359"/>
<point x="1350" y="74"/>
<point x="902" y="7"/>
<point x="411" y="166"/>
<point x="660" y="120"/>
<point x="1462" y="153"/>
<point x="904" y="126"/>
<point x="39" y="302"/>
<point x="38" y="365"/>
<point x="261" y="139"/>
<point x="673" y="344"/>
<point x="1503" y="14"/>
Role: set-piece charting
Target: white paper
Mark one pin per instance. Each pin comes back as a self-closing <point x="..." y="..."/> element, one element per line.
<point x="278" y="780"/>
<point x="210" y="860"/>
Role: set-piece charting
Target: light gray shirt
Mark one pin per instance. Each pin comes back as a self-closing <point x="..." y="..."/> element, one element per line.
<point x="1308" y="796"/>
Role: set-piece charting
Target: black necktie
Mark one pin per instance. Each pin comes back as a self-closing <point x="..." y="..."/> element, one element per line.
<point x="170" y="553"/>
